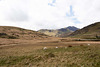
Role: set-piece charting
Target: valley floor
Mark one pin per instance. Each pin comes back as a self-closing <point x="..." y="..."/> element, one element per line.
<point x="54" y="52"/>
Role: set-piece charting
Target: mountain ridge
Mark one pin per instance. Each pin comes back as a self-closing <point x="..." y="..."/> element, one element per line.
<point x="59" y="32"/>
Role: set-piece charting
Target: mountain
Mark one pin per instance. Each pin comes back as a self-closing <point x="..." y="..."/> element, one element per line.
<point x="19" y="33"/>
<point x="90" y="31"/>
<point x="59" y="32"/>
<point x="72" y="28"/>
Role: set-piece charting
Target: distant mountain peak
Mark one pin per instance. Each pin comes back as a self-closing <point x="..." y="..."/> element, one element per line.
<point x="59" y="32"/>
<point x="72" y="28"/>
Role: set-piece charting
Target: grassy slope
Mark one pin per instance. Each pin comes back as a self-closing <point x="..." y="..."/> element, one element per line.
<point x="88" y="31"/>
<point x="75" y="56"/>
<point x="19" y="33"/>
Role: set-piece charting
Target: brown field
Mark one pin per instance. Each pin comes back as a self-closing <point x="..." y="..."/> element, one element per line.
<point x="30" y="53"/>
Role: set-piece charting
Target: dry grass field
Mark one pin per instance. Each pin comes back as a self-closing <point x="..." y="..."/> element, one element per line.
<point x="49" y="53"/>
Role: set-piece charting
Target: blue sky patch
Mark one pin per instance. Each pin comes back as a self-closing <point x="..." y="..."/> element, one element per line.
<point x="71" y="12"/>
<point x="76" y="21"/>
<point x="54" y="1"/>
<point x="52" y="4"/>
<point x="71" y="15"/>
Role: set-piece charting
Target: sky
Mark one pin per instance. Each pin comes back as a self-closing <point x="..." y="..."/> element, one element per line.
<point x="49" y="14"/>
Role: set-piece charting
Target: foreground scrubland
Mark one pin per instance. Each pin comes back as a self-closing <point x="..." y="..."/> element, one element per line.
<point x="55" y="54"/>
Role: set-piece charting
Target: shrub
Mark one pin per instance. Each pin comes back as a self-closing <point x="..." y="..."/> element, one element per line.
<point x="12" y="37"/>
<point x="70" y="46"/>
<point x="2" y="34"/>
<point x="49" y="55"/>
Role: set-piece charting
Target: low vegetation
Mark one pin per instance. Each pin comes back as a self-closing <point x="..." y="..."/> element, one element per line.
<point x="69" y="56"/>
<point x="4" y="35"/>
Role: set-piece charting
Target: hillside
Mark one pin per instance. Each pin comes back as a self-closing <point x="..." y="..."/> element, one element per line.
<point x="59" y="32"/>
<point x="19" y="33"/>
<point x="90" y="31"/>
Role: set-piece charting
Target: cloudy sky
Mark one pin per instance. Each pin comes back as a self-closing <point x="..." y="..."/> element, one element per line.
<point x="49" y="14"/>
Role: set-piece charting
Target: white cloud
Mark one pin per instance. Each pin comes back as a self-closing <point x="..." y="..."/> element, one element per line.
<point x="50" y="14"/>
